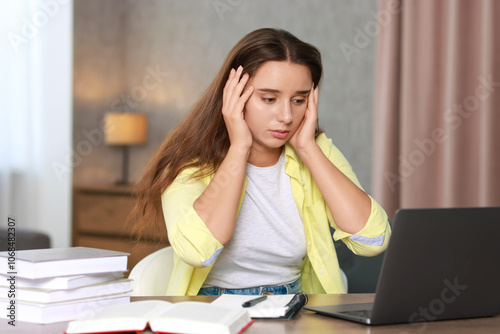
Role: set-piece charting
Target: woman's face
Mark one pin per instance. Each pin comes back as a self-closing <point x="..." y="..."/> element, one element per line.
<point x="277" y="105"/>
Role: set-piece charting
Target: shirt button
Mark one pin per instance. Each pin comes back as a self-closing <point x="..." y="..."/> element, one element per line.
<point x="303" y="183"/>
<point x="308" y="243"/>
<point x="321" y="272"/>
<point x="286" y="159"/>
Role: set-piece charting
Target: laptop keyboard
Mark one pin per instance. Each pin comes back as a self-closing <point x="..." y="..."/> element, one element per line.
<point x="359" y="313"/>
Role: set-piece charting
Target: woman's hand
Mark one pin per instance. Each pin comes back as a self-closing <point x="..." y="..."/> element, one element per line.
<point x="349" y="205"/>
<point x="217" y="206"/>
<point x="304" y="136"/>
<point x="233" y="103"/>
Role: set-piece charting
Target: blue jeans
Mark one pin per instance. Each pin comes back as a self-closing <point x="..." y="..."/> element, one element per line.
<point x="280" y="289"/>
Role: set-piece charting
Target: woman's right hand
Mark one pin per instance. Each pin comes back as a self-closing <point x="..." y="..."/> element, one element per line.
<point x="233" y="103"/>
<point x="217" y="206"/>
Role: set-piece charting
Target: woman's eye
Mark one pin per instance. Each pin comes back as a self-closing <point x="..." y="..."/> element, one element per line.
<point x="268" y="99"/>
<point x="298" y="101"/>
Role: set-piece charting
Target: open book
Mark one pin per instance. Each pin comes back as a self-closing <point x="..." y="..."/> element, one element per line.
<point x="282" y="307"/>
<point x="164" y="317"/>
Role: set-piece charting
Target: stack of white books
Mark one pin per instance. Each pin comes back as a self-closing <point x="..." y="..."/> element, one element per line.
<point x="61" y="284"/>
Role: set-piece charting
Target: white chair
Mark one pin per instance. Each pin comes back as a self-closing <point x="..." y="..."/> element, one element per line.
<point x="344" y="280"/>
<point x="151" y="274"/>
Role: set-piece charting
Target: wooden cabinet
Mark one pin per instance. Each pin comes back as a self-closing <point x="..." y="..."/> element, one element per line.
<point x="100" y="215"/>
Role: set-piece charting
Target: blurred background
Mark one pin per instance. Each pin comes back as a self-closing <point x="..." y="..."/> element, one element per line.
<point x="409" y="95"/>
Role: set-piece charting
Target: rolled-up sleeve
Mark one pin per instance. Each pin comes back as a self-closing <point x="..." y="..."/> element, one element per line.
<point x="187" y="233"/>
<point x="373" y="238"/>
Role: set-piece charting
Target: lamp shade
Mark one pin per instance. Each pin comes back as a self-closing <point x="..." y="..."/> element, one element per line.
<point x="122" y="128"/>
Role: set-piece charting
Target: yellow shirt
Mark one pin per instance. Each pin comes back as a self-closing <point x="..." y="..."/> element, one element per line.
<point x="196" y="249"/>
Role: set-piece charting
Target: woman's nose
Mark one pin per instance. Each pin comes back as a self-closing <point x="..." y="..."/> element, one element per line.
<point x="285" y="113"/>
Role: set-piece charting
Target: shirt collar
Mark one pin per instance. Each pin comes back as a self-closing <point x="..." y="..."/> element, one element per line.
<point x="290" y="153"/>
<point x="292" y="162"/>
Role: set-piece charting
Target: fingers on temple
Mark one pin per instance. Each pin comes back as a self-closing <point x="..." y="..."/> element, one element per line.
<point x="235" y="85"/>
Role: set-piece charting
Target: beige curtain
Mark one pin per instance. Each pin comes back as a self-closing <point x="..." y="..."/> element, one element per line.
<point x="437" y="100"/>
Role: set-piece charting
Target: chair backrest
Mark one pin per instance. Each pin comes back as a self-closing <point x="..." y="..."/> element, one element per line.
<point x="344" y="280"/>
<point x="151" y="274"/>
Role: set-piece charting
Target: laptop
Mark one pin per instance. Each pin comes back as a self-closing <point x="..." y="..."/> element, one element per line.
<point x="441" y="263"/>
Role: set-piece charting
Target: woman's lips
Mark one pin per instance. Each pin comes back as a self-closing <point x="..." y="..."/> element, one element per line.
<point x="280" y="134"/>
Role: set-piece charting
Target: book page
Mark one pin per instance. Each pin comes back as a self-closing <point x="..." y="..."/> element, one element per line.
<point x="200" y="317"/>
<point x="122" y="317"/>
<point x="273" y="307"/>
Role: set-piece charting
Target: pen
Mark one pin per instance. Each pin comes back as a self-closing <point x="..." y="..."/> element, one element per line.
<point x="252" y="302"/>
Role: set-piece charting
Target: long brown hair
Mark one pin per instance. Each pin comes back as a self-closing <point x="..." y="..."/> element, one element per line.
<point x="201" y="140"/>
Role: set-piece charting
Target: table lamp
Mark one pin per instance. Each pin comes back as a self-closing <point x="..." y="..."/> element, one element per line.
<point x="125" y="129"/>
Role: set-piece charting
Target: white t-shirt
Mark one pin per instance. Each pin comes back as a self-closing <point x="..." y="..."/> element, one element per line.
<point x="268" y="244"/>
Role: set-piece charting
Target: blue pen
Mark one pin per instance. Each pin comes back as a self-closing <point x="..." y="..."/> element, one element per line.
<point x="252" y="302"/>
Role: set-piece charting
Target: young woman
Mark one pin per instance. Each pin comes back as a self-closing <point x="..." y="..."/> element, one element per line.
<point x="248" y="185"/>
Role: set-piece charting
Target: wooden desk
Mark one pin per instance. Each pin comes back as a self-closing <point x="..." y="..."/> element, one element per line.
<point x="309" y="322"/>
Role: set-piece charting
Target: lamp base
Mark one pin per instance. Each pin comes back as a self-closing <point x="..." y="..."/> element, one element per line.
<point x="124" y="180"/>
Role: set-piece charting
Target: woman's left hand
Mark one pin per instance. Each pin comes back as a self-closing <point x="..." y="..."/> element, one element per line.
<point x="304" y="136"/>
